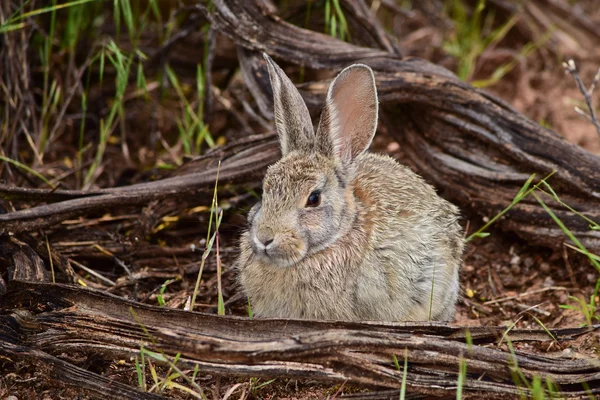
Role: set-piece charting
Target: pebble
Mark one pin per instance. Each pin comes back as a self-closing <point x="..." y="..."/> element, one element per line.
<point x="516" y="260"/>
<point x="548" y="281"/>
<point x="592" y="278"/>
<point x="515" y="269"/>
<point x="468" y="268"/>
<point x="509" y="281"/>
<point x="394" y="146"/>
<point x="528" y="262"/>
<point x="563" y="298"/>
<point x="545" y="267"/>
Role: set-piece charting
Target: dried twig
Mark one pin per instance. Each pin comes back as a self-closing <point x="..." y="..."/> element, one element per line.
<point x="571" y="68"/>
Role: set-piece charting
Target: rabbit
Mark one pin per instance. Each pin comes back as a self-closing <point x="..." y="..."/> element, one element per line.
<point x="341" y="233"/>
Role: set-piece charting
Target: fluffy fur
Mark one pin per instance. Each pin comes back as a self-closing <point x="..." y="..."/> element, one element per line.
<point x="379" y="241"/>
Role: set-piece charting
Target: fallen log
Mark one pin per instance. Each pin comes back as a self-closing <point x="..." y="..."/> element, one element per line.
<point x="76" y="377"/>
<point x="474" y="147"/>
<point x="54" y="319"/>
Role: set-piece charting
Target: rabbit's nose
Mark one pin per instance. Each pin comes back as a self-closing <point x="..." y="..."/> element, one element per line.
<point x="264" y="239"/>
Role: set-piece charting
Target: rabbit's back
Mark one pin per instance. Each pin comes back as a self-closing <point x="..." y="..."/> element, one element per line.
<point x="415" y="244"/>
<point x="382" y="268"/>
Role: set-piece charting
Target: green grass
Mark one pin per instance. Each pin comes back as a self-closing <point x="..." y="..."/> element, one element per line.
<point x="163" y="288"/>
<point x="15" y="21"/>
<point x="589" y="309"/>
<point x="57" y="48"/>
<point x="256" y="384"/>
<point x="473" y="34"/>
<point x="27" y="169"/>
<point x="335" y="20"/>
<point x="215" y="216"/>
<point x="536" y="388"/>
<point x="174" y="372"/>
<point x="404" y="372"/>
<point x="432" y="288"/>
<point x="192" y="130"/>
<point x="521" y="194"/>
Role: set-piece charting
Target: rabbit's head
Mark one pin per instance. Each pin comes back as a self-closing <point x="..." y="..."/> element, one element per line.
<point x="307" y="201"/>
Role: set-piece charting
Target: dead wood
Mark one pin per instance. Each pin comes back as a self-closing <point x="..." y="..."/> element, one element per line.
<point x="45" y="320"/>
<point x="247" y="157"/>
<point x="474" y="147"/>
<point x="69" y="374"/>
<point x="477" y="149"/>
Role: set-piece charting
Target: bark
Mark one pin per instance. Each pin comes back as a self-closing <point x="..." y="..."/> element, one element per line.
<point x="42" y="321"/>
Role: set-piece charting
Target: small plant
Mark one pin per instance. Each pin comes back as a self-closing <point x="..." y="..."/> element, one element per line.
<point x="173" y="373"/>
<point x="521" y="194"/>
<point x="249" y="308"/>
<point x="571" y="68"/>
<point x="216" y="216"/>
<point x="335" y="21"/>
<point x="473" y="35"/>
<point x="588" y="309"/>
<point x="256" y="384"/>
<point x="529" y="389"/>
<point x="192" y="130"/>
<point x="404" y="373"/>
<point x="160" y="296"/>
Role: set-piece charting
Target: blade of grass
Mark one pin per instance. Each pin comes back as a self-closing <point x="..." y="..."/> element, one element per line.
<point x="220" y="303"/>
<point x="520" y="196"/>
<point x="404" y="373"/>
<point x="161" y="356"/>
<point x="567" y="231"/>
<point x="11" y="22"/>
<point x="208" y="244"/>
<point x="27" y="169"/>
<point x="432" y="287"/>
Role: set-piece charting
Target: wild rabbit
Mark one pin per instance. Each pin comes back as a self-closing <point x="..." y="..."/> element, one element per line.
<point x="340" y="233"/>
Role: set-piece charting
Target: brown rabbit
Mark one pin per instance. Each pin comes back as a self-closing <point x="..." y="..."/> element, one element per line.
<point x="340" y="233"/>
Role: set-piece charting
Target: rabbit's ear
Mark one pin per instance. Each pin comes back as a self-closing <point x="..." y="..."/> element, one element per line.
<point x="349" y="118"/>
<point x="292" y="120"/>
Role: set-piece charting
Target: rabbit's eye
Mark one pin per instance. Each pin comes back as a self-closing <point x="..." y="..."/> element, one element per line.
<point x="314" y="199"/>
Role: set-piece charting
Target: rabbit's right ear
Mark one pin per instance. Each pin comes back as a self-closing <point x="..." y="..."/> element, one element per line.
<point x="349" y="118"/>
<point x="292" y="120"/>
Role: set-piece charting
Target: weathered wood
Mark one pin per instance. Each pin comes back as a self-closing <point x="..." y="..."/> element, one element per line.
<point x="240" y="159"/>
<point x="57" y="319"/>
<point x="474" y="147"/>
<point x="72" y="375"/>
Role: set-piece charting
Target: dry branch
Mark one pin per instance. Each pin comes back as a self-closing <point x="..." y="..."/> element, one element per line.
<point x="477" y="149"/>
<point x="474" y="147"/>
<point x="241" y="159"/>
<point x="55" y="319"/>
<point x="72" y="375"/>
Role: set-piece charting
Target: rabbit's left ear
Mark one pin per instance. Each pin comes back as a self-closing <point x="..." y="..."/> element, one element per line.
<point x="349" y="118"/>
<point x="292" y="119"/>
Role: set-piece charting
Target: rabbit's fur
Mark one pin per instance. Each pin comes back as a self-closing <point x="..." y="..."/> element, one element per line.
<point x="371" y="248"/>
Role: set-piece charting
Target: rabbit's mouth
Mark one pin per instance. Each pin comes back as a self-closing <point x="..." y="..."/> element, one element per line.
<point x="283" y="255"/>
